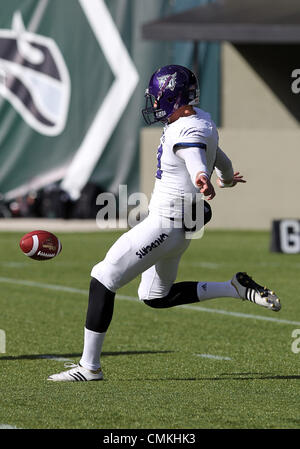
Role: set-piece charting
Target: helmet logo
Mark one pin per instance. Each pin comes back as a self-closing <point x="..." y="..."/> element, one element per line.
<point x="163" y="79"/>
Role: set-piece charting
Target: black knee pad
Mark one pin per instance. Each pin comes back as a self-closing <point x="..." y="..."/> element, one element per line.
<point x="180" y="293"/>
<point x="100" y="307"/>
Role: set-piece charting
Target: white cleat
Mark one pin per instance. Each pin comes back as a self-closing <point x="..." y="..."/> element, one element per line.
<point x="77" y="373"/>
<point x="248" y="289"/>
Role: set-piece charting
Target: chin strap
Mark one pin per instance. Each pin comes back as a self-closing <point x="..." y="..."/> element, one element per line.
<point x="176" y="105"/>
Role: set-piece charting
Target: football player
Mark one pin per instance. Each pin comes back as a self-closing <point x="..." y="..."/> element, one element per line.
<point x="188" y="154"/>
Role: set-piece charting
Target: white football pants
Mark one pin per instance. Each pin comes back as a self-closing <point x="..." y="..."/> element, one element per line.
<point x="154" y="248"/>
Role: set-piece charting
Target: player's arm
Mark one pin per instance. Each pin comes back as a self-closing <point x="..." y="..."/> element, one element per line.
<point x="195" y="161"/>
<point x="226" y="177"/>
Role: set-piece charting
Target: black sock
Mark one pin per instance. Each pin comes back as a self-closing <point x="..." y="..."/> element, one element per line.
<point x="180" y="293"/>
<point x="100" y="307"/>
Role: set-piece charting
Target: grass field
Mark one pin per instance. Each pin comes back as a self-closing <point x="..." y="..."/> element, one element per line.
<point x="215" y="365"/>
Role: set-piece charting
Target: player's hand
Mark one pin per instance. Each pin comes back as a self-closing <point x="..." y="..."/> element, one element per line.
<point x="237" y="178"/>
<point x="205" y="186"/>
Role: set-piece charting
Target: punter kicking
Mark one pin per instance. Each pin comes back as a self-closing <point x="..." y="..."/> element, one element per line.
<point x="186" y="158"/>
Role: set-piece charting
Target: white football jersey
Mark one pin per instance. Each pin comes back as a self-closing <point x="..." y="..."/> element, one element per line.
<point x="173" y="180"/>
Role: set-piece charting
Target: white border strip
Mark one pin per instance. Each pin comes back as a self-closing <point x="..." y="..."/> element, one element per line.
<point x="66" y="289"/>
<point x="113" y="105"/>
<point x="37" y="182"/>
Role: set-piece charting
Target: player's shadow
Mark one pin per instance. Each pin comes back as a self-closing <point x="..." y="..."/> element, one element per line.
<point x="255" y="376"/>
<point x="240" y="376"/>
<point x="75" y="355"/>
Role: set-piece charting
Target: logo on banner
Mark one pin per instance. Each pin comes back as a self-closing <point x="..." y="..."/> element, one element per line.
<point x="34" y="78"/>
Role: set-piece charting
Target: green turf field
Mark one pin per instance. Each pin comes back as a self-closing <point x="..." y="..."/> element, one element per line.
<point x="194" y="367"/>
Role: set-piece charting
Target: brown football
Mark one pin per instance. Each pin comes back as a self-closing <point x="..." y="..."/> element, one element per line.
<point x="40" y="245"/>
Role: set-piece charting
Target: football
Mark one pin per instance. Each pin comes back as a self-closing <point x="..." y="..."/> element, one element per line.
<point x="40" y="245"/>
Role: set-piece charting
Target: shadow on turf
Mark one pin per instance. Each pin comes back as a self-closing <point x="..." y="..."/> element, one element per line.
<point x="234" y="376"/>
<point x="251" y="376"/>
<point x="75" y="355"/>
<point x="222" y="376"/>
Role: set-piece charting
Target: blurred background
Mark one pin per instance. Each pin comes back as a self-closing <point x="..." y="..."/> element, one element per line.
<point x="72" y="80"/>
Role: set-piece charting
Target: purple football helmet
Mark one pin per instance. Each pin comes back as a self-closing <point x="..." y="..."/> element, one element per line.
<point x="169" y="88"/>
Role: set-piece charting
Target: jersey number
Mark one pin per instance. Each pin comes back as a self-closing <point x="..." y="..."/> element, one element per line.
<point x="159" y="154"/>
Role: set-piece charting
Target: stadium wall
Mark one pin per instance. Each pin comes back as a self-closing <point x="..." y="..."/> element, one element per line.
<point x="261" y="137"/>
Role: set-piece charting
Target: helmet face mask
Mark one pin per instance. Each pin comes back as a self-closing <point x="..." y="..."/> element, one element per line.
<point x="152" y="113"/>
<point x="170" y="87"/>
<point x="193" y="88"/>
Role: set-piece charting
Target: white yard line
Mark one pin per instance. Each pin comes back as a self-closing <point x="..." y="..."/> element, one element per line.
<point x="209" y="265"/>
<point x="241" y="315"/>
<point x="7" y="426"/>
<point x="55" y="358"/>
<point x="211" y="356"/>
<point x="13" y="264"/>
<point x="67" y="289"/>
<point x="26" y="283"/>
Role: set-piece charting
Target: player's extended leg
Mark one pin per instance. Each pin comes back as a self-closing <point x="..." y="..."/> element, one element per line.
<point x="158" y="290"/>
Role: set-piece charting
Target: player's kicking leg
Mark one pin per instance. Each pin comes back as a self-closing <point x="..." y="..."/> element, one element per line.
<point x="157" y="289"/>
<point x="250" y="290"/>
